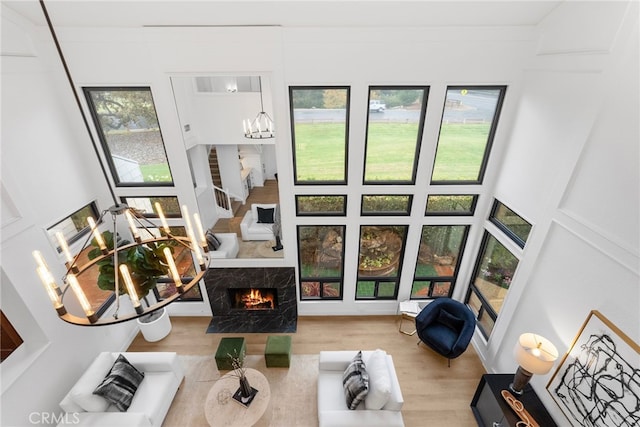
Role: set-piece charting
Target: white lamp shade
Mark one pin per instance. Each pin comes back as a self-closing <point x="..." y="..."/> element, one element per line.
<point x="535" y="354"/>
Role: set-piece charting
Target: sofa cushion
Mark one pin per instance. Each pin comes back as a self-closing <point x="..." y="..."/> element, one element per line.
<point x="120" y="384"/>
<point x="82" y="391"/>
<point x="379" y="381"/>
<point x="265" y="215"/>
<point x="355" y="381"/>
<point x="155" y="395"/>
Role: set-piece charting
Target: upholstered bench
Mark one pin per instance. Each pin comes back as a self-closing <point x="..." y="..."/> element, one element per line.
<point x="277" y="353"/>
<point x="229" y="346"/>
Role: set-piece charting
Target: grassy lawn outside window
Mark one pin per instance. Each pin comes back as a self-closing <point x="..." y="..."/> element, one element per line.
<point x="394" y="133"/>
<point x="320" y="124"/>
<point x="469" y="122"/>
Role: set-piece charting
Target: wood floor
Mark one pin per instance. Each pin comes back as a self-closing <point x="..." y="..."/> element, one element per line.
<point x="265" y="194"/>
<point x="434" y="395"/>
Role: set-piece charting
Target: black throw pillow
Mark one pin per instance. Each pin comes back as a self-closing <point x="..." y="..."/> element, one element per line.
<point x="212" y="241"/>
<point x="120" y="384"/>
<point x="265" y="216"/>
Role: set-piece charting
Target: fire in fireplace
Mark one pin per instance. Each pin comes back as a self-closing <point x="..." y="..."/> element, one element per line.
<point x="253" y="298"/>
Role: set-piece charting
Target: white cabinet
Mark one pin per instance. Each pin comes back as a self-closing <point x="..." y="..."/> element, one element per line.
<point x="254" y="162"/>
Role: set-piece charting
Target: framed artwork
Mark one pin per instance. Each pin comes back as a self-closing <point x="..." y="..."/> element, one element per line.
<point x="597" y="383"/>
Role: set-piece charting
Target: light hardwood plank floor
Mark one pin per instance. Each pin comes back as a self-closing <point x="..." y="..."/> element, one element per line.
<point x="434" y="394"/>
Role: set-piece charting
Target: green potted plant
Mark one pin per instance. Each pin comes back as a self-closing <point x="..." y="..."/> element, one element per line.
<point x="146" y="263"/>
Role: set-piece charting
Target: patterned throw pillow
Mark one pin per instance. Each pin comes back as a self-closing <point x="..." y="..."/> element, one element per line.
<point x="120" y="384"/>
<point x="355" y="381"/>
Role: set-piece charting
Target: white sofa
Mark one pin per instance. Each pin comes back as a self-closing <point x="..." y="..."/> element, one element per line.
<point x="163" y="374"/>
<point x="229" y="246"/>
<point x="332" y="406"/>
<point x="251" y="229"/>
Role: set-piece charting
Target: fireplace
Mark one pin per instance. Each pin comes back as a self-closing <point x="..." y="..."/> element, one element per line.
<point x="253" y="298"/>
<point x="256" y="300"/>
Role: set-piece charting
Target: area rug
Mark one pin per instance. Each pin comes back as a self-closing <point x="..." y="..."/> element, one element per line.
<point x="258" y="249"/>
<point x="293" y="391"/>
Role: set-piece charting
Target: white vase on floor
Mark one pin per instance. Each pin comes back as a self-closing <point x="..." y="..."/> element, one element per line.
<point x="157" y="328"/>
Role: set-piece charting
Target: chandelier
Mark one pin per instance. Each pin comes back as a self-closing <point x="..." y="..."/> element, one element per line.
<point x="141" y="264"/>
<point x="262" y="126"/>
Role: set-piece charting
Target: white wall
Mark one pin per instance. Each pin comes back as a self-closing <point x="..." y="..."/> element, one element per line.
<point x="572" y="169"/>
<point x="569" y="100"/>
<point x="49" y="170"/>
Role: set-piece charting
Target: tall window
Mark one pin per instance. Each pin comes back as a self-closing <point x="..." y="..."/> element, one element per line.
<point x="321" y="257"/>
<point x="130" y="134"/>
<point x="491" y="280"/>
<point x="380" y="261"/>
<point x="320" y="121"/>
<point x="439" y="256"/>
<point x="394" y="131"/>
<point x="75" y="225"/>
<point x="467" y="129"/>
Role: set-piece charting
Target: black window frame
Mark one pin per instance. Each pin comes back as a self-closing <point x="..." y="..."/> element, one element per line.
<point x="123" y="199"/>
<point x="490" y="137"/>
<point x="105" y="146"/>
<point x="382" y="279"/>
<point x="419" y="136"/>
<point x="346" y="135"/>
<point x="387" y="213"/>
<point x="433" y="279"/>
<point x="472" y="212"/>
<point x="486" y="308"/>
<point x="93" y="205"/>
<point x="321" y="214"/>
<point x="321" y="279"/>
<point x="504" y="227"/>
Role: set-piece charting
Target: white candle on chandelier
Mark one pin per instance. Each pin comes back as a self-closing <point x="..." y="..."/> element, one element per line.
<point x="96" y="234"/>
<point x="50" y="285"/>
<point x="64" y="246"/>
<point x="163" y="219"/>
<point x="196" y="248"/>
<point x="82" y="298"/>
<point x="132" y="226"/>
<point x="172" y="268"/>
<point x="244" y="126"/>
<point x="131" y="290"/>
<point x="187" y="219"/>
<point x="201" y="236"/>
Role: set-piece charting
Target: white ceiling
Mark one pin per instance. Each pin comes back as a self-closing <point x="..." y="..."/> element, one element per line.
<point x="298" y="13"/>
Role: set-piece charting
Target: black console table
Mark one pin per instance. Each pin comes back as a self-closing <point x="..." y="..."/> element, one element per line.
<point x="491" y="410"/>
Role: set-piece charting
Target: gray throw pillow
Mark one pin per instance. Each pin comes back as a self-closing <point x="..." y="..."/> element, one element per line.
<point x="120" y="384"/>
<point x="355" y="381"/>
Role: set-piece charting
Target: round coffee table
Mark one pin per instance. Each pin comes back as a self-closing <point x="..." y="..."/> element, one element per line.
<point x="220" y="408"/>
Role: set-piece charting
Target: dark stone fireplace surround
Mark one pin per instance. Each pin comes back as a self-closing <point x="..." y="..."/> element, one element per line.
<point x="226" y="319"/>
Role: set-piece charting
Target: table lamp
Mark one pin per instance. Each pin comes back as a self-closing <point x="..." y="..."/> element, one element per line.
<point x="535" y="355"/>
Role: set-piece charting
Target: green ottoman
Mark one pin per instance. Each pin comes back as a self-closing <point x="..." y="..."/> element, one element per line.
<point x="277" y="353"/>
<point x="233" y="346"/>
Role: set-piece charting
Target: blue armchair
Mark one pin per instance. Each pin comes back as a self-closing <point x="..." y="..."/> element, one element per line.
<point x="446" y="326"/>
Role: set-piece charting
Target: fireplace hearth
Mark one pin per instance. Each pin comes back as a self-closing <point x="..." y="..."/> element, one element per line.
<point x="246" y="300"/>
